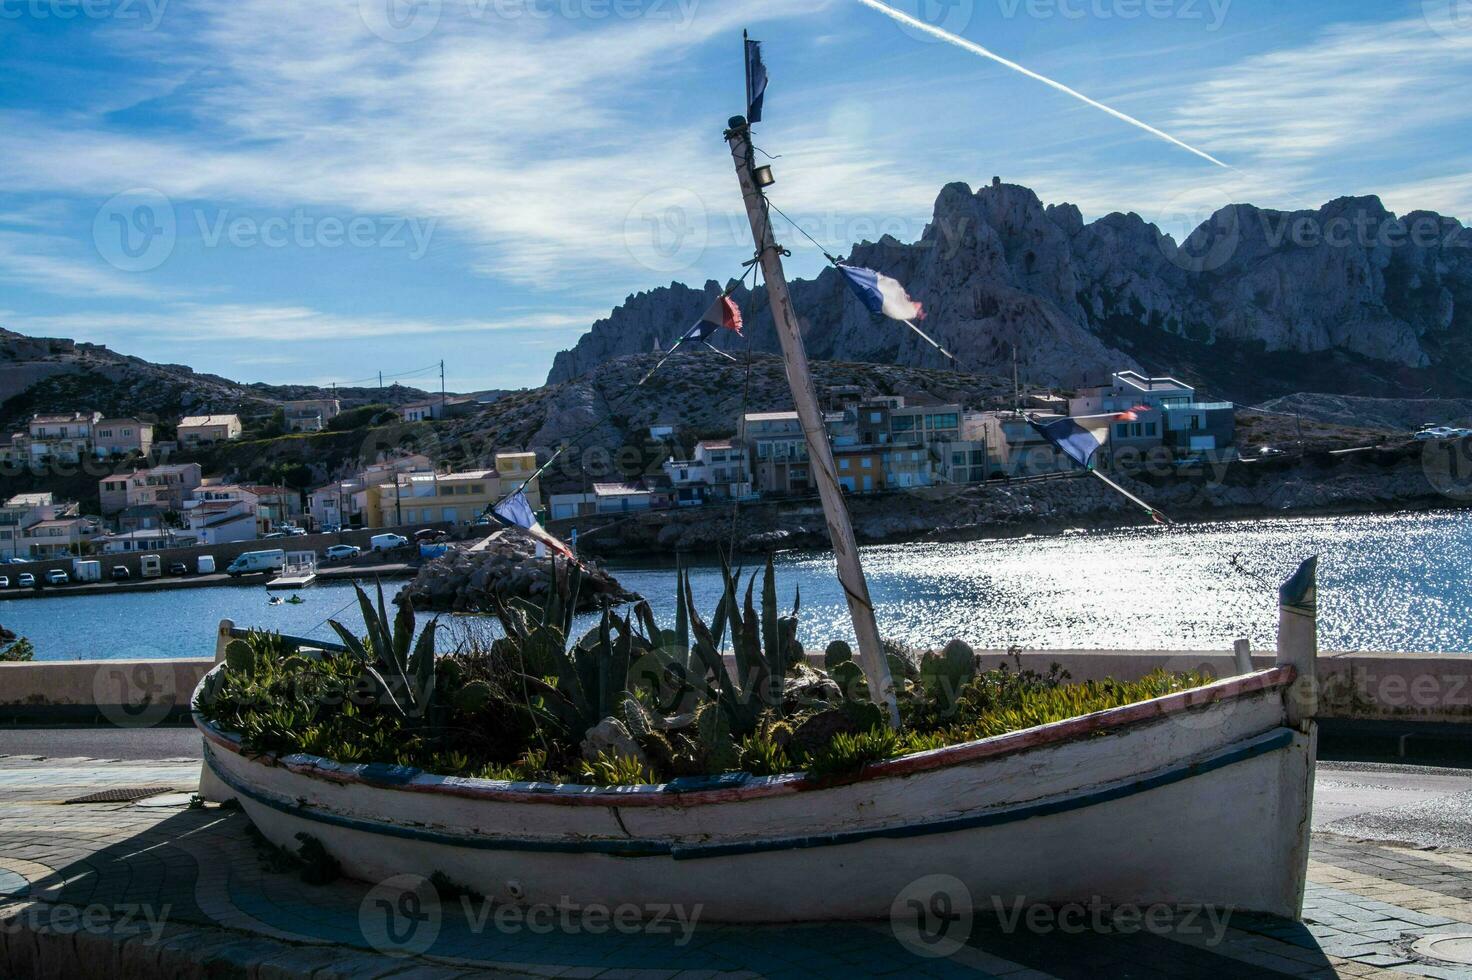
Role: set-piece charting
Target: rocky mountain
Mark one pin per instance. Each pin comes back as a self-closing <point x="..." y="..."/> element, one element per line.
<point x="47" y="374"/>
<point x="1254" y="304"/>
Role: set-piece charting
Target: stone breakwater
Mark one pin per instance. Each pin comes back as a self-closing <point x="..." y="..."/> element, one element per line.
<point x="1392" y="478"/>
<point x="504" y="566"/>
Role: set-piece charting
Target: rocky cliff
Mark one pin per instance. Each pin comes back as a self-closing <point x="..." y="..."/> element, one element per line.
<point x="1254" y="303"/>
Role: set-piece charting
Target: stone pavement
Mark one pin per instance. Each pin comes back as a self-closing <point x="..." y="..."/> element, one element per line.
<point x="122" y="889"/>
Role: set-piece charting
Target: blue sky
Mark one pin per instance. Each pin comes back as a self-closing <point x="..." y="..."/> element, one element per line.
<point x="319" y="191"/>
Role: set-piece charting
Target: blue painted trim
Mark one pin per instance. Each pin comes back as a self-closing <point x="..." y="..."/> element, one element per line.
<point x="616" y="848"/>
<point x="1259" y="746"/>
<point x="1252" y="749"/>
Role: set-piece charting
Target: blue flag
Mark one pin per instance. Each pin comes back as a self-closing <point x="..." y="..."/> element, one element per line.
<point x="516" y="510"/>
<point x="1078" y="442"/>
<point x="756" y="81"/>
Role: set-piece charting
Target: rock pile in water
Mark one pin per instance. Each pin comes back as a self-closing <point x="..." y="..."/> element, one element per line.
<point x="506" y="565"/>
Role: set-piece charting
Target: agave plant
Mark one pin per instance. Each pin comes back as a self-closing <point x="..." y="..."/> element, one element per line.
<point x="584" y="683"/>
<point x="765" y="647"/>
<point x="405" y="676"/>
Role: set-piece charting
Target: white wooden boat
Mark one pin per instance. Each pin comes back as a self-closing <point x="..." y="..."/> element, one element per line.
<point x="1196" y="798"/>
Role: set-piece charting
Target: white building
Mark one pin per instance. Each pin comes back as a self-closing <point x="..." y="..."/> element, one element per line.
<point x="719" y="468"/>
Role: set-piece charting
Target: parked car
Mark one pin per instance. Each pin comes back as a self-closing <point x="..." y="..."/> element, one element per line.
<point x="4" y="581"/>
<point x="1438" y="432"/>
<point x="120" y="572"/>
<point x="27" y="580"/>
<point x="331" y="528"/>
<point x="57" y="577"/>
<point x="273" y="534"/>
<point x="387" y="542"/>
<point x="342" y="552"/>
<point x="429" y="534"/>
<point x="178" y="568"/>
<point x="15" y="561"/>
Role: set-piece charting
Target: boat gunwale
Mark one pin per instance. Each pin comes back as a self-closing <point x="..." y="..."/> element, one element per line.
<point x="725" y="789"/>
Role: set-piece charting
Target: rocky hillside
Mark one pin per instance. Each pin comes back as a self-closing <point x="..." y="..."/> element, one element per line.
<point x="43" y="374"/>
<point x="1254" y="304"/>
<point x="1393" y="414"/>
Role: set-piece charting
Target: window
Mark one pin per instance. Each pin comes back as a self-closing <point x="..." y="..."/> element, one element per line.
<point x="947" y="421"/>
<point x="843" y="463"/>
<point x="902" y="423"/>
<point x="1122" y="430"/>
<point x="876" y="416"/>
<point x="1149" y="428"/>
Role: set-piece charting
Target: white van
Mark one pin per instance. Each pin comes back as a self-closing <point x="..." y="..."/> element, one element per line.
<point x="150" y="566"/>
<point x="386" y="542"/>
<point x="206" y="564"/>
<point x="256" y="561"/>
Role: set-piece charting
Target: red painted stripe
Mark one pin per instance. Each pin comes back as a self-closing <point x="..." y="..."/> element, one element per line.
<point x="1055" y="733"/>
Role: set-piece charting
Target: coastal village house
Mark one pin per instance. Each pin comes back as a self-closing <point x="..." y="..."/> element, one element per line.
<point x="452" y="407"/>
<point x="122" y="437"/>
<point x="310" y="415"/>
<point x="58" y="538"/>
<point x="24" y="511"/>
<point x="164" y="488"/>
<point x="451" y="498"/>
<point x="454" y="498"/>
<point x="65" y="438"/>
<point x="349" y="503"/>
<point x="220" y="513"/>
<point x="147" y="540"/>
<point x="719" y="469"/>
<point x="1168" y="413"/>
<point x="200" y="430"/>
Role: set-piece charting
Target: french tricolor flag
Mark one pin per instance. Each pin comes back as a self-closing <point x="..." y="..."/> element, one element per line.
<point x="881" y="294"/>
<point x="722" y="313"/>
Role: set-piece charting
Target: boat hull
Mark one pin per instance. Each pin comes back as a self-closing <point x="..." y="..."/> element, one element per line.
<point x="1200" y="798"/>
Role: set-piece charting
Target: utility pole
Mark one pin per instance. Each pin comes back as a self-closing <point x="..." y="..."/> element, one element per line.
<point x="1016" y="387"/>
<point x="820" y="452"/>
<point x="442" y="389"/>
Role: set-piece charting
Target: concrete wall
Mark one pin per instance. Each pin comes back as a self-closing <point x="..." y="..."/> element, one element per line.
<point x="1362" y="686"/>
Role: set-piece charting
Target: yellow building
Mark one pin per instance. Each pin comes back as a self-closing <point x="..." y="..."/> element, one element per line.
<point x="516" y="467"/>
<point x="451" y="498"/>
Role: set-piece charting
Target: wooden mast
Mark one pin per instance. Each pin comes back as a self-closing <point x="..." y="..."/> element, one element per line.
<point x="820" y="453"/>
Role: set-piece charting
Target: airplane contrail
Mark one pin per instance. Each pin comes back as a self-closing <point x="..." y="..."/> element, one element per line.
<point x="975" y="48"/>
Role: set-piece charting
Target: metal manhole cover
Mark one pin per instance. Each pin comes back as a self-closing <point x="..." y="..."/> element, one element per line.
<point x="1454" y="948"/>
<point x="125" y="794"/>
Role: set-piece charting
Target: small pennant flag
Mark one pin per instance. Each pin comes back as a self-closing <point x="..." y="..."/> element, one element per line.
<point x="1078" y="439"/>
<point x="881" y="294"/>
<point x="516" y="511"/>
<point x="756" y="81"/>
<point x="722" y="313"/>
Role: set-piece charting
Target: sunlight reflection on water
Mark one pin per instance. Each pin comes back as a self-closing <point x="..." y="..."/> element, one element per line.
<point x="1388" y="582"/>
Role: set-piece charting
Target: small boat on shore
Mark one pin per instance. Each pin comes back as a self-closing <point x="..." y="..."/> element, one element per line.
<point x="1200" y="797"/>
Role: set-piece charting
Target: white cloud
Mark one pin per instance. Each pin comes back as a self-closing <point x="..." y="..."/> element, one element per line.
<point x="515" y="136"/>
<point x="41" y="261"/>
